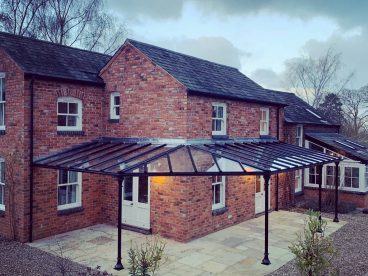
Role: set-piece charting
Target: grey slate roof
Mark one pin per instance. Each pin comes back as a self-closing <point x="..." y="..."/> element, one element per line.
<point x="297" y="110"/>
<point x="206" y="78"/>
<point x="340" y="144"/>
<point x="52" y="60"/>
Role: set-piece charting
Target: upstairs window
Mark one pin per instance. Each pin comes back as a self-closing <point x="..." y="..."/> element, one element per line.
<point x="2" y="184"/>
<point x="218" y="192"/>
<point x="69" y="189"/>
<point x="218" y="119"/>
<point x="2" y="101"/>
<point x="69" y="112"/>
<point x="299" y="136"/>
<point x="115" y="106"/>
<point x="264" y="121"/>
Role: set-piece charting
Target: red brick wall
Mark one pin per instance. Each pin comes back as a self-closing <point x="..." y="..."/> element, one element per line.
<point x="358" y="199"/>
<point x="242" y="118"/>
<point x="153" y="103"/>
<point x="13" y="141"/>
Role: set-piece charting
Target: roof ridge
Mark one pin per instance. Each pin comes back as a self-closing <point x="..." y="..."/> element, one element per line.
<point x="182" y="54"/>
<point x="52" y="43"/>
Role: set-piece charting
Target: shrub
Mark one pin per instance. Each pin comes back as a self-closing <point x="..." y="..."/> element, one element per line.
<point x="313" y="251"/>
<point x="146" y="259"/>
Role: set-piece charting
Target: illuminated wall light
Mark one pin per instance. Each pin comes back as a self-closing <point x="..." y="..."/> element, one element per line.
<point x="159" y="179"/>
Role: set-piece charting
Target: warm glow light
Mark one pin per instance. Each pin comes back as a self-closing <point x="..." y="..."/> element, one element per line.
<point x="159" y="179"/>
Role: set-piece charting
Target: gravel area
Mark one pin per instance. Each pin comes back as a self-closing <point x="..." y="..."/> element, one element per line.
<point x="20" y="259"/>
<point x="352" y="243"/>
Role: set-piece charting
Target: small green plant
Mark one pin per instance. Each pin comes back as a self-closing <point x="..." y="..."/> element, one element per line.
<point x="313" y="251"/>
<point x="146" y="259"/>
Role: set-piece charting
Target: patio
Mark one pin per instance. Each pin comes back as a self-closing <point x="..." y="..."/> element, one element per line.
<point x="236" y="250"/>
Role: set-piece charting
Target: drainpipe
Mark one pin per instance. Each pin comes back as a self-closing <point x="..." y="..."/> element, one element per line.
<point x="30" y="234"/>
<point x="277" y="175"/>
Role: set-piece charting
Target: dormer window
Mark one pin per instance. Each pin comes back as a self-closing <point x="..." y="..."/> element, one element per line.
<point x="115" y="106"/>
<point x="218" y="119"/>
<point x="69" y="113"/>
<point x="2" y="101"/>
<point x="264" y="121"/>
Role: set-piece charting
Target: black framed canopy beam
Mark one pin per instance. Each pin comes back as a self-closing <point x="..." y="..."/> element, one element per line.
<point x="121" y="158"/>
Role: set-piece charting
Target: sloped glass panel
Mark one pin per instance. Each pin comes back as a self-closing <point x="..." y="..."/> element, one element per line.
<point x="180" y="161"/>
<point x="159" y="165"/>
<point x="203" y="161"/>
<point x="227" y="165"/>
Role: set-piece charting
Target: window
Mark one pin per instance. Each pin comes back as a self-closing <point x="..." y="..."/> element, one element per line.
<point x="69" y="189"/>
<point x="366" y="177"/>
<point x="264" y="121"/>
<point x="299" y="136"/>
<point x="69" y="111"/>
<point x="218" y="192"/>
<point x="2" y="101"/>
<point x="115" y="105"/>
<point x="314" y="175"/>
<point x="330" y="176"/>
<point x="2" y="184"/>
<point x="351" y="177"/>
<point x="218" y="119"/>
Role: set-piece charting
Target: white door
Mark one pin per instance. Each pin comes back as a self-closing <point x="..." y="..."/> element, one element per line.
<point x="298" y="181"/>
<point x="260" y="195"/>
<point x="136" y="202"/>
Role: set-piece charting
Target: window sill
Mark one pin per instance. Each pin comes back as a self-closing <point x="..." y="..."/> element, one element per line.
<point x="341" y="190"/>
<point x="2" y="213"/>
<point x="2" y="132"/>
<point x="220" y="137"/>
<point x="66" y="212"/>
<point x="219" y="211"/>
<point x="114" y="121"/>
<point x="70" y="132"/>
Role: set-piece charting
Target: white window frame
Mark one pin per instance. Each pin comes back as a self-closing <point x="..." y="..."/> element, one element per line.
<point x="2" y="102"/>
<point x="221" y="182"/>
<point x="79" y="116"/>
<point x="299" y="137"/>
<point x="223" y="119"/>
<point x="264" y="121"/>
<point x="78" y="202"/>
<point x="2" y="184"/>
<point x="113" y="106"/>
<point x="363" y="187"/>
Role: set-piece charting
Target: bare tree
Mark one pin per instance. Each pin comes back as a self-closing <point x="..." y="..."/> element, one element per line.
<point x="355" y="110"/>
<point x="19" y="16"/>
<point x="80" y="23"/>
<point x="312" y="78"/>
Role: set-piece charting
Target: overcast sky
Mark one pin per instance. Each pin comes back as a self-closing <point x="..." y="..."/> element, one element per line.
<point x="256" y="36"/>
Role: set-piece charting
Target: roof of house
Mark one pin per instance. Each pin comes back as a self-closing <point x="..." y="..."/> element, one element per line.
<point x="207" y="78"/>
<point x="41" y="58"/>
<point x="298" y="111"/>
<point x="340" y="144"/>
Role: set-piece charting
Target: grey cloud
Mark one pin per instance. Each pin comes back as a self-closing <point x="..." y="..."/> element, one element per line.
<point x="216" y="49"/>
<point x="267" y="78"/>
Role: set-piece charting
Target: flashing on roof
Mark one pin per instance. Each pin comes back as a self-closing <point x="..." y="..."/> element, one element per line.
<point x="355" y="144"/>
<point x="344" y="144"/>
<point x="313" y="113"/>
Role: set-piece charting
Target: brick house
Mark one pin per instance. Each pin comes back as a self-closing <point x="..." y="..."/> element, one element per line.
<point x="306" y="127"/>
<point x="89" y="116"/>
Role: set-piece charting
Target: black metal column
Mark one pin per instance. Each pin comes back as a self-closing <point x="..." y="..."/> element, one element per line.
<point x="265" y="260"/>
<point x="319" y="179"/>
<point x="119" y="265"/>
<point x="277" y="192"/>
<point x="337" y="180"/>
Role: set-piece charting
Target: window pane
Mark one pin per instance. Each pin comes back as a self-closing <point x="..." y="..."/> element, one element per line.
<point x="62" y="107"/>
<point x="2" y="89"/>
<point x="116" y="100"/>
<point x="2" y="112"/>
<point x="72" y="194"/>
<point x="72" y="120"/>
<point x="218" y="125"/>
<point x="128" y="188"/>
<point x="143" y="189"/>
<point x="355" y="172"/>
<point x="220" y="112"/>
<point x="62" y="195"/>
<point x="355" y="182"/>
<point x="217" y="193"/>
<point x="2" y="172"/>
<point x="117" y="111"/>
<point x="62" y="120"/>
<point x="214" y="111"/>
<point x="63" y="177"/>
<point x="73" y="108"/>
<point x="73" y="177"/>
<point x="1" y="194"/>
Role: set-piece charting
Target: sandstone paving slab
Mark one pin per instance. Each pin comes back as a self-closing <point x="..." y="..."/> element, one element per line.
<point x="237" y="250"/>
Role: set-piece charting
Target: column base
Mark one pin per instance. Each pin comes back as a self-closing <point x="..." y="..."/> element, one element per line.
<point x="335" y="220"/>
<point x="266" y="260"/>
<point x="119" y="266"/>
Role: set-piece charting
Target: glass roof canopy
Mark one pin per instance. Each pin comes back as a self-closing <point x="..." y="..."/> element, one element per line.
<point x="125" y="157"/>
